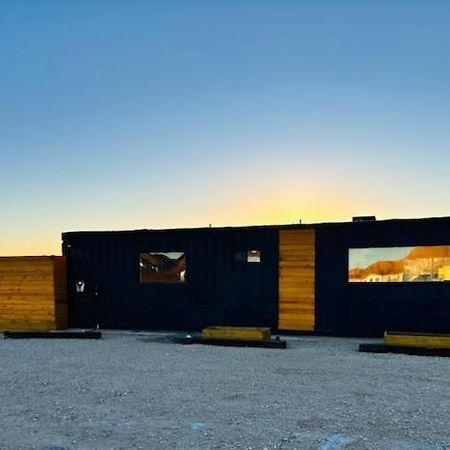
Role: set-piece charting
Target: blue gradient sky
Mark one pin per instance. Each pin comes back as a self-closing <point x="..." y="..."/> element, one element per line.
<point x="150" y="114"/>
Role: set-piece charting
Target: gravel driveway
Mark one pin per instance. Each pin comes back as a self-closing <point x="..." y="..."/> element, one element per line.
<point x="140" y="391"/>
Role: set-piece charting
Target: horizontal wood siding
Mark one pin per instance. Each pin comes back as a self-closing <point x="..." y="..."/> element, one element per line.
<point x="296" y="296"/>
<point x="33" y="293"/>
<point x="60" y="285"/>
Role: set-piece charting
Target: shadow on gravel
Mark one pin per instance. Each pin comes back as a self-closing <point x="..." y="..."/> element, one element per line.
<point x="167" y="339"/>
<point x="53" y="447"/>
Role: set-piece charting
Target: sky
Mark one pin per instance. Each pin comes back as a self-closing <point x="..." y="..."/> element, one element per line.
<point x="154" y="114"/>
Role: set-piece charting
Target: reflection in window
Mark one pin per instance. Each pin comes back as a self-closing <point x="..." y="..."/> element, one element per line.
<point x="399" y="264"/>
<point x="162" y="267"/>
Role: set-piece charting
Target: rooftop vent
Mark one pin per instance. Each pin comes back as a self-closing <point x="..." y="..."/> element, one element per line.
<point x="364" y="218"/>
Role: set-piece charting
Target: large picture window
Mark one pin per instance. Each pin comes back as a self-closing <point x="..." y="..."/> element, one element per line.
<point x="162" y="267"/>
<point x="399" y="264"/>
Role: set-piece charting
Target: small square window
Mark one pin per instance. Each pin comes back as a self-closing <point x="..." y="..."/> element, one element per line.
<point x="254" y="256"/>
<point x="249" y="256"/>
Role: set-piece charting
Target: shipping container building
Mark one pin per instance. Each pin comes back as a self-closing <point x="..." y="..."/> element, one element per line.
<point x="356" y="278"/>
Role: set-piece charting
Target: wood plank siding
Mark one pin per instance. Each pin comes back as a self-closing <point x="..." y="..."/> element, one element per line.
<point x="296" y="284"/>
<point x="33" y="293"/>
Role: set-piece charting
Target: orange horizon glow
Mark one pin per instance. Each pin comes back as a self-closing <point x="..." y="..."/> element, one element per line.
<point x="260" y="216"/>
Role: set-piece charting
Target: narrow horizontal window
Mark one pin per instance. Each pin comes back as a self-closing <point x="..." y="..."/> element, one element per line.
<point x="399" y="264"/>
<point x="162" y="267"/>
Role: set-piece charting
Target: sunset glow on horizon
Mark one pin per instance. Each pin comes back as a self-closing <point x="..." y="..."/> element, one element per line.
<point x="132" y="115"/>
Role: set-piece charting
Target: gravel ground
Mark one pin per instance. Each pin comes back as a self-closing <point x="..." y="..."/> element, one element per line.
<point x="138" y="391"/>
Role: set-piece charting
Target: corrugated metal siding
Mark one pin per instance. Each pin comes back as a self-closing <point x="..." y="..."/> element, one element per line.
<point x="218" y="290"/>
<point x="371" y="308"/>
<point x="221" y="291"/>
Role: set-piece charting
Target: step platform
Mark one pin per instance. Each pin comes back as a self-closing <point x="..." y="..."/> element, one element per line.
<point x="422" y="344"/>
<point x="236" y="337"/>
<point x="420" y="340"/>
<point x="52" y="334"/>
<point x="237" y="333"/>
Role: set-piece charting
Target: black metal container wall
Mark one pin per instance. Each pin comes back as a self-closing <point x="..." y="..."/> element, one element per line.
<point x="368" y="309"/>
<point x="104" y="286"/>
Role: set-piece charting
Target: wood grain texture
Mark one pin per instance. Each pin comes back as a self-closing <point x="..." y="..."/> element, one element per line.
<point x="60" y="286"/>
<point x="239" y="333"/>
<point x="424" y="340"/>
<point x="296" y="291"/>
<point x="33" y="293"/>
